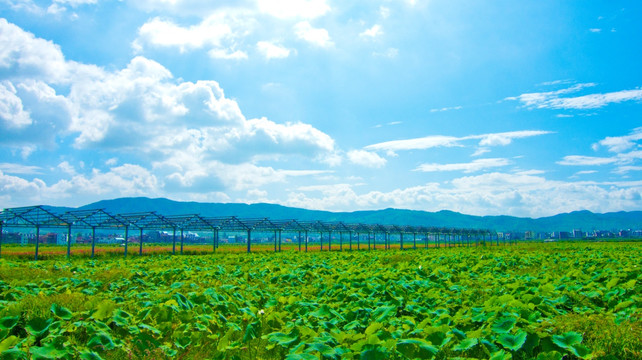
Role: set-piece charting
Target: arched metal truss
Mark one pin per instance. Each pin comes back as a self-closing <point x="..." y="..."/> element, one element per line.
<point x="41" y="217"/>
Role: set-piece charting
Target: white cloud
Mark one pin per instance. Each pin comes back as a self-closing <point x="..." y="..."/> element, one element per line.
<point x="366" y="158"/>
<point x="19" y="169"/>
<point x="317" y="37"/>
<point x="390" y="53"/>
<point x="423" y="143"/>
<point x="494" y="139"/>
<point x="270" y="50"/>
<point x="218" y="32"/>
<point x="580" y="160"/>
<point x="619" y="144"/>
<point x="287" y="9"/>
<point x="595" y="30"/>
<point x="475" y="165"/>
<point x="486" y="194"/>
<point x="446" y="109"/>
<point x="384" y="12"/>
<point x="12" y="112"/>
<point x="372" y="32"/>
<point x="554" y="99"/>
<point x="480" y="151"/>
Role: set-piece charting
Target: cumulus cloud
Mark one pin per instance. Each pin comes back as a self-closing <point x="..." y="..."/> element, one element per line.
<point x="487" y="194"/>
<point x="372" y="32"/>
<point x="186" y="132"/>
<point x="287" y="9"/>
<point x="270" y="50"/>
<point x="557" y="100"/>
<point x="366" y="158"/>
<point x="315" y="36"/>
<point x="218" y="33"/>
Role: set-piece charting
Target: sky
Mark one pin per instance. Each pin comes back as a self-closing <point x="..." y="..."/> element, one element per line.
<point x="523" y="108"/>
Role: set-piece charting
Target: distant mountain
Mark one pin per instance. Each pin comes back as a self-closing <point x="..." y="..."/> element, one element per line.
<point x="584" y="220"/>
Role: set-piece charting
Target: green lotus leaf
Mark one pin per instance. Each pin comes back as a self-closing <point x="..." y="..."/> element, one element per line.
<point x="458" y="333"/>
<point x="503" y="325"/>
<point x="416" y="348"/>
<point x="282" y="339"/>
<point x="8" y="343"/>
<point x="61" y="312"/>
<point x="101" y="340"/>
<point x="150" y="328"/>
<point x="567" y="340"/>
<point x="13" y="354"/>
<point x="183" y="341"/>
<point x="121" y="318"/>
<point x="382" y="313"/>
<point x="8" y="322"/>
<point x="104" y="310"/>
<point x="50" y="351"/>
<point x="501" y="355"/>
<point x="89" y="355"/>
<point x="374" y="352"/>
<point x="549" y="355"/>
<point x="38" y="327"/>
<point x="512" y="342"/>
<point x="303" y="356"/>
<point x="466" y="344"/>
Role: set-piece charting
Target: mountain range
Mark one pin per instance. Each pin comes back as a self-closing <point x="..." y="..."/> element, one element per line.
<point x="584" y="220"/>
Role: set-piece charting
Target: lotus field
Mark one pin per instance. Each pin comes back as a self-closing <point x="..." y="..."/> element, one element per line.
<point x="528" y="301"/>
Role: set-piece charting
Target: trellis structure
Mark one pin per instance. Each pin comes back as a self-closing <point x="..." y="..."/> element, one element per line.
<point x="39" y="217"/>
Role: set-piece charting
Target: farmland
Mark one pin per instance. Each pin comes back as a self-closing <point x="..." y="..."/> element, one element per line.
<point x="545" y="301"/>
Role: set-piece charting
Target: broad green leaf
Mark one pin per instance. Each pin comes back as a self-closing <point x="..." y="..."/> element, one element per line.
<point x="512" y="342"/>
<point x="61" y="312"/>
<point x="503" y="325"/>
<point x="416" y="348"/>
<point x="49" y="351"/>
<point x="567" y="340"/>
<point x="282" y="339"/>
<point x="183" y="341"/>
<point x="8" y="322"/>
<point x="89" y="355"/>
<point x="550" y="355"/>
<point x="303" y="356"/>
<point x="38" y="327"/>
<point x="101" y="340"/>
<point x="8" y="343"/>
<point x="466" y="344"/>
<point x="104" y="310"/>
<point x="382" y="313"/>
<point x="501" y="355"/>
<point x="374" y="352"/>
<point x="373" y="328"/>
<point x="13" y="354"/>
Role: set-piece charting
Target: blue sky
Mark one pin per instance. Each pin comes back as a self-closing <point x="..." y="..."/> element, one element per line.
<point x="528" y="108"/>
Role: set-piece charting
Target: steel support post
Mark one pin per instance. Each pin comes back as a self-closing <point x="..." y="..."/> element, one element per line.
<point x="126" y="239"/>
<point x="358" y="241"/>
<point x="401" y="241"/>
<point x="306" y="241"/>
<point x="329" y="241"/>
<point x="93" y="240"/>
<point x="340" y="240"/>
<point x="37" y="241"/>
<point x="275" y="244"/>
<point x="350" y="240"/>
<point x="249" y="240"/>
<point x="414" y="241"/>
<point x="140" y="245"/>
<point x="321" y="239"/>
<point x="280" y="240"/>
<point x="174" y="242"/>
<point x="182" y="239"/>
<point x="68" y="241"/>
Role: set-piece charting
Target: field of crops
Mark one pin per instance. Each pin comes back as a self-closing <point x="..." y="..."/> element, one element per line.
<point x="544" y="301"/>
